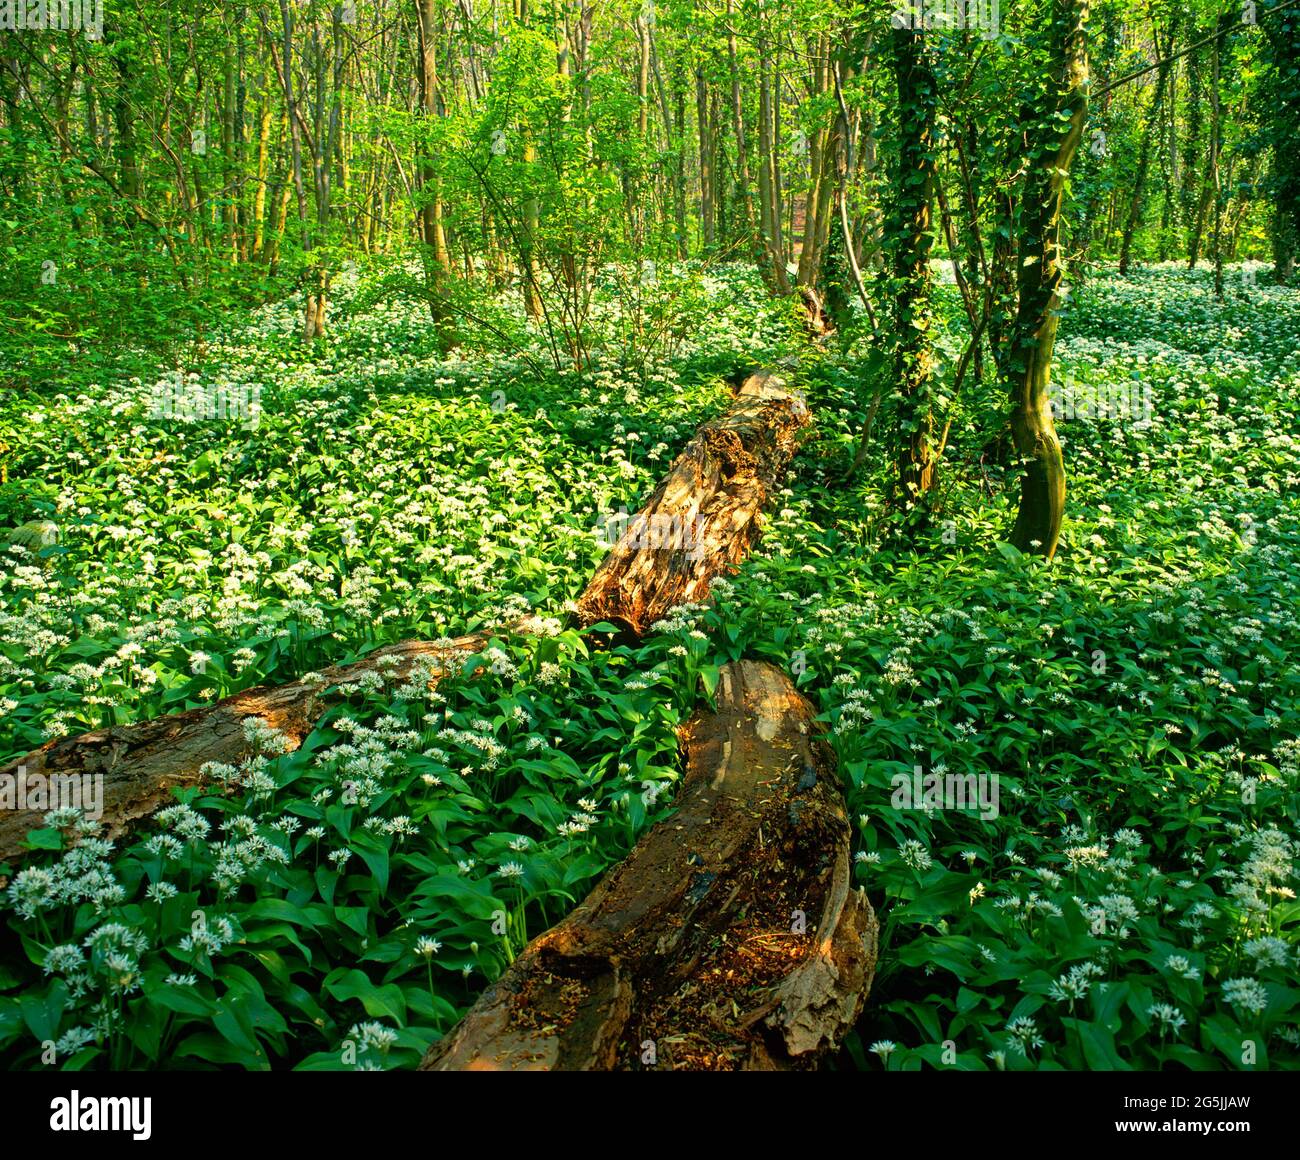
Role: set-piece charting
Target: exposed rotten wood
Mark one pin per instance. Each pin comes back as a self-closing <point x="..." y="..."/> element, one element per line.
<point x="140" y="762"/>
<point x="731" y="936"/>
<point x="702" y="519"/>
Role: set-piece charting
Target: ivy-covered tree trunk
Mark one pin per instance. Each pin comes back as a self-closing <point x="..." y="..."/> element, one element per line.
<point x="1283" y="28"/>
<point x="912" y="240"/>
<point x="1192" y="149"/>
<point x="1062" y="117"/>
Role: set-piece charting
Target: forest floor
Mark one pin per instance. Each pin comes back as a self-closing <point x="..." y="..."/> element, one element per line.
<point x="1121" y="893"/>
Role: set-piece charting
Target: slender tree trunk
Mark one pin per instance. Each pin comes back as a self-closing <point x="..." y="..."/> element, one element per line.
<point x="1137" y="196"/>
<point x="1198" y="222"/>
<point x="528" y="238"/>
<point x="1216" y="148"/>
<point x="708" y="217"/>
<point x="769" y="188"/>
<point x="228" y="168"/>
<point x="679" y="173"/>
<point x="744" y="183"/>
<point x="295" y="153"/>
<point x="824" y="151"/>
<point x="437" y="262"/>
<point x="278" y="225"/>
<point x="643" y="75"/>
<point x="259" y="194"/>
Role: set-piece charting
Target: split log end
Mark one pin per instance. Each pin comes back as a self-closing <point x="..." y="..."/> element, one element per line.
<point x="731" y="937"/>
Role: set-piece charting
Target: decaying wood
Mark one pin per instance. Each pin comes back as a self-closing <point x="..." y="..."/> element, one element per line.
<point x="731" y="936"/>
<point x="710" y="502"/>
<point x="139" y="763"/>
<point x="702" y="519"/>
<point x="819" y="324"/>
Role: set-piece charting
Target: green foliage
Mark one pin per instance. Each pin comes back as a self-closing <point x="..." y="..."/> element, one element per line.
<point x="340" y="905"/>
<point x="1131" y="904"/>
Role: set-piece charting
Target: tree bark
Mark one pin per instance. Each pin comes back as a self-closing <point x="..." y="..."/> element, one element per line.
<point x="704" y="516"/>
<point x="1283" y="30"/>
<point x="141" y="762"/>
<point x="708" y="215"/>
<point x="528" y="261"/>
<point x="744" y="186"/>
<point x="731" y="937"/>
<point x="1216" y="148"/>
<point x="769" y="182"/>
<point x="1191" y="204"/>
<point x="437" y="261"/>
<point x="263" y="169"/>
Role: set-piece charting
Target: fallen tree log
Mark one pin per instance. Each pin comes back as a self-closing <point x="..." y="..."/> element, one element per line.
<point x="729" y="939"/>
<point x="713" y="495"/>
<point x="139" y="763"/>
<point x="703" y="517"/>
